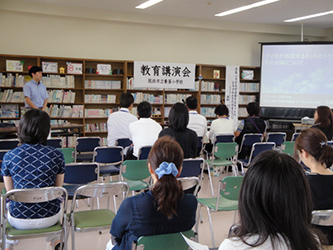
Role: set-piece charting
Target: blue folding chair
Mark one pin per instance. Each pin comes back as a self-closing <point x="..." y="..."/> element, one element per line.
<point x="144" y="152"/>
<point x="294" y="136"/>
<point x="109" y="160"/>
<point x="78" y="174"/>
<point x="54" y="142"/>
<point x="257" y="148"/>
<point x="9" y="143"/>
<point x="124" y="142"/>
<point x="84" y="150"/>
<point x="277" y="137"/>
<point x="247" y="142"/>
<point x="223" y="138"/>
<point x="199" y="145"/>
<point x="192" y="168"/>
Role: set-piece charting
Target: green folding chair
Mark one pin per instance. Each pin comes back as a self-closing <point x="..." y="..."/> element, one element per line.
<point x="96" y="219"/>
<point x="225" y="154"/>
<point x="36" y="195"/>
<point x="68" y="154"/>
<point x="134" y="172"/>
<point x="288" y="147"/>
<point x="164" y="241"/>
<point x="229" y="189"/>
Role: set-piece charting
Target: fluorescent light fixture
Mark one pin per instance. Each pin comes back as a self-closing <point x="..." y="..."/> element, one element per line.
<point x="309" y="16"/>
<point x="148" y="4"/>
<point x="246" y="7"/>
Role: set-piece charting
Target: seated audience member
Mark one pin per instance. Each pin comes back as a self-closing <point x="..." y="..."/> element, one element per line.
<point x="197" y="122"/>
<point x="33" y="164"/>
<point x="187" y="138"/>
<point x="274" y="207"/>
<point x="144" y="132"/>
<point x="118" y="121"/>
<point x="252" y="124"/>
<point x="324" y="121"/>
<point x="223" y="124"/>
<point x="313" y="151"/>
<point x="162" y="210"/>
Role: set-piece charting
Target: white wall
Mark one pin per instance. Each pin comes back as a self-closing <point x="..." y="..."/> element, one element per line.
<point x="74" y="32"/>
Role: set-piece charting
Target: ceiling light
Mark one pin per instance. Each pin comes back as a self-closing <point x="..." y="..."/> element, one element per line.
<point x="246" y="7"/>
<point x="148" y="4"/>
<point x="309" y="16"/>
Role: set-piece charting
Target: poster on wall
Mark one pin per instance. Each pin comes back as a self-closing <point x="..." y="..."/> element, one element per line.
<point x="159" y="75"/>
<point x="232" y="91"/>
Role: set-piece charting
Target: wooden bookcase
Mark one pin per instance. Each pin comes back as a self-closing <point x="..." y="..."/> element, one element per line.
<point x="210" y="89"/>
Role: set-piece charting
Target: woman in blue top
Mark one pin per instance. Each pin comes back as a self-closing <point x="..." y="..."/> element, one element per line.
<point x="162" y="210"/>
<point x="33" y="165"/>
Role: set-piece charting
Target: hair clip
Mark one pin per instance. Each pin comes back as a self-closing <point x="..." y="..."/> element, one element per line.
<point x="166" y="168"/>
<point x="322" y="143"/>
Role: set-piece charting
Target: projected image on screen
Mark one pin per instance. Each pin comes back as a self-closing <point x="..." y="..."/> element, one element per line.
<point x="297" y="75"/>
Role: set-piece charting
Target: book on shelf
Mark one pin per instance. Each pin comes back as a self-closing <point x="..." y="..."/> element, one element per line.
<point x="173" y="98"/>
<point x="210" y="99"/>
<point x="245" y="99"/>
<point x="57" y="81"/>
<point x="247" y="74"/>
<point x="77" y="111"/>
<point x="9" y="110"/>
<point x="209" y="86"/>
<point x="104" y="69"/>
<point x="97" y="113"/>
<point x="249" y="87"/>
<point x="103" y="98"/>
<point x="100" y="84"/>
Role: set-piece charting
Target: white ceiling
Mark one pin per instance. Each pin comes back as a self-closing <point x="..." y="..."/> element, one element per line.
<point x="273" y="13"/>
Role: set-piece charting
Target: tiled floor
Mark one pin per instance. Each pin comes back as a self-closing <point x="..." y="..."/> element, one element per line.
<point x="93" y="240"/>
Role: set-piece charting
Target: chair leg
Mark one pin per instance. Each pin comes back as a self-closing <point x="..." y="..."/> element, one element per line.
<point x="235" y="215"/>
<point x="210" y="180"/>
<point x="235" y="169"/>
<point x="73" y="233"/>
<point x="196" y="227"/>
<point x="211" y="226"/>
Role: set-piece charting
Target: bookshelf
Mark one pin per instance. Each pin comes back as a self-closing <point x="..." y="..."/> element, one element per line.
<point x="88" y="95"/>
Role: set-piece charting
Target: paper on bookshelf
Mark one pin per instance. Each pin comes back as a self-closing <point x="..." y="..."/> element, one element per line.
<point x="247" y="74"/>
<point x="14" y="65"/>
<point x="104" y="69"/>
<point x="74" y="68"/>
<point x="50" y="67"/>
<point x="194" y="245"/>
<point x="216" y="74"/>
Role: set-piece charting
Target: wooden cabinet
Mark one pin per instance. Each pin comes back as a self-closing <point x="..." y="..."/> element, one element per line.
<point x="90" y="95"/>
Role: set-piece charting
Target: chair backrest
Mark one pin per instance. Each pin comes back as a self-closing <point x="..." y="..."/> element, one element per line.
<point x="108" y="155"/>
<point x="68" y="154"/>
<point x="230" y="186"/>
<point x="135" y="170"/>
<point x="225" y="150"/>
<point x="81" y="173"/>
<point x="189" y="183"/>
<point x="294" y="136"/>
<point x="100" y="190"/>
<point x="123" y="142"/>
<point x="249" y="139"/>
<point x="54" y="142"/>
<point x="192" y="167"/>
<point x="87" y="144"/>
<point x="224" y="138"/>
<point x="144" y="152"/>
<point x="277" y="137"/>
<point x="164" y="241"/>
<point x="288" y="147"/>
<point x="259" y="147"/>
<point x="8" y="143"/>
<point x="322" y="217"/>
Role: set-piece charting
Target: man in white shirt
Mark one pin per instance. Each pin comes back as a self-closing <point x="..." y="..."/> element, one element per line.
<point x="118" y="121"/>
<point x="145" y="131"/>
<point x="197" y="122"/>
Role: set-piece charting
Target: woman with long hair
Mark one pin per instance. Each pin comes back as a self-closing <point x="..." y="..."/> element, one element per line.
<point x="324" y="121"/>
<point x="164" y="209"/>
<point x="178" y="121"/>
<point x="312" y="149"/>
<point x="274" y="207"/>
